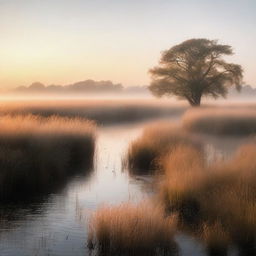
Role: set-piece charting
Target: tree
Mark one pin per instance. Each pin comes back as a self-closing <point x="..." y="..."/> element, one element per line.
<point x="193" y="69"/>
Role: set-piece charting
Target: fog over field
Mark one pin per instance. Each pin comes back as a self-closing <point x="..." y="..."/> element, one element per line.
<point x="127" y="128"/>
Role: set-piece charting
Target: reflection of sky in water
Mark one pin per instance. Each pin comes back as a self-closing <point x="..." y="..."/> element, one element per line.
<point x="110" y="183"/>
<point x="57" y="224"/>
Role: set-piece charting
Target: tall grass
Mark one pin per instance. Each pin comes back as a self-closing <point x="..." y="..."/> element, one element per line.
<point x="36" y="153"/>
<point x="101" y="111"/>
<point x="144" y="153"/>
<point x="183" y="171"/>
<point x="128" y="229"/>
<point x="216" y="238"/>
<point x="221" y="121"/>
<point x="220" y="197"/>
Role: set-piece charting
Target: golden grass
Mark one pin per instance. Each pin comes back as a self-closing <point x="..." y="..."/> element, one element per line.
<point x="216" y="238"/>
<point x="129" y="229"/>
<point x="144" y="153"/>
<point x="183" y="171"/>
<point x="101" y="111"/>
<point x="220" y="197"/>
<point x="36" y="152"/>
<point x="221" y="121"/>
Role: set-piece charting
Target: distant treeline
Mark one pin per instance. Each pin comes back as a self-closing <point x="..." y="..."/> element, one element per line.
<point x="91" y="86"/>
<point x="246" y="91"/>
<point x="87" y="86"/>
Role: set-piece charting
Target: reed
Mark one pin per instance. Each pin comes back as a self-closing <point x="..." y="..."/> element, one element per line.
<point x="145" y="153"/>
<point x="37" y="153"/>
<point x="223" y="193"/>
<point x="129" y="229"/>
<point x="221" y="121"/>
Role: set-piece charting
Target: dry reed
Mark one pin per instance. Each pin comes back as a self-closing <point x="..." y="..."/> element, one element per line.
<point x="221" y="121"/>
<point x="223" y="193"/>
<point x="144" y="153"/>
<point x="36" y="152"/>
<point x="129" y="229"/>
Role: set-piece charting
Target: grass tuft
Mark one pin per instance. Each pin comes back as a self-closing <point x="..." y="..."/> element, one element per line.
<point x="132" y="230"/>
<point x="145" y="153"/>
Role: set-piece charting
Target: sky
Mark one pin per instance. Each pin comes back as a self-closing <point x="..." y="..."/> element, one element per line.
<point x="65" y="41"/>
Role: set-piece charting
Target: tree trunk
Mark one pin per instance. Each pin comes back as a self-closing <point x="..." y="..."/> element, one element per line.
<point x="195" y="101"/>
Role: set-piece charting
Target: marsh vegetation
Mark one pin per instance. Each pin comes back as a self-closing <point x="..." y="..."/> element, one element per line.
<point x="145" y="153"/>
<point x="37" y="153"/>
<point x="128" y="229"/>
<point x="101" y="111"/>
<point x="214" y="201"/>
<point x="221" y="121"/>
<point x="165" y="186"/>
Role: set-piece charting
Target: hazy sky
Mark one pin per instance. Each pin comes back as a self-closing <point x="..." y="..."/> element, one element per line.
<point x="63" y="41"/>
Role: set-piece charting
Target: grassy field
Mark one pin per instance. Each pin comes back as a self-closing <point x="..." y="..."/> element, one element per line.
<point x="101" y="111"/>
<point x="36" y="153"/>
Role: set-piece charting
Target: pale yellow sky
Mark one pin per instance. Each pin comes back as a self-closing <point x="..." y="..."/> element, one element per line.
<point x="61" y="42"/>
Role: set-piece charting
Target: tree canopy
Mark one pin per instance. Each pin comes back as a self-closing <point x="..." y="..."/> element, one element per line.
<point x="193" y="69"/>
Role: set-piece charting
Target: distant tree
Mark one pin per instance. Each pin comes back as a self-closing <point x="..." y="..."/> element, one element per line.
<point x="36" y="86"/>
<point x="193" y="69"/>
